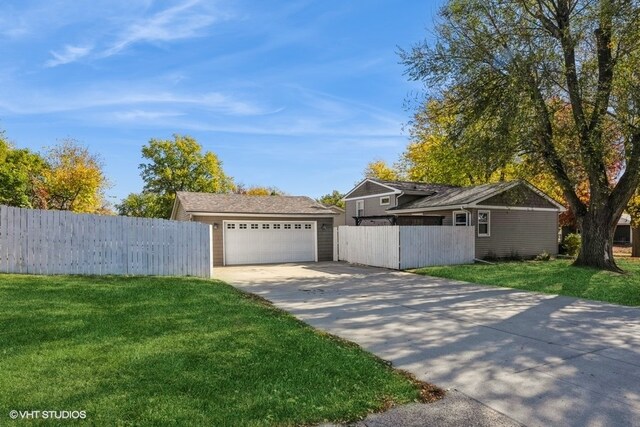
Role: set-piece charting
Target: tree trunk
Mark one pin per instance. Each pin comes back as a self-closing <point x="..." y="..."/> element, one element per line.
<point x="598" y="227"/>
<point x="635" y="238"/>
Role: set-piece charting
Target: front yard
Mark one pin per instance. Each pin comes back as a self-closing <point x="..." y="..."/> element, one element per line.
<point x="142" y="351"/>
<point x="552" y="277"/>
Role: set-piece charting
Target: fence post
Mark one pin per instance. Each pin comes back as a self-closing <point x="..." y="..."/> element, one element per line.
<point x="210" y="251"/>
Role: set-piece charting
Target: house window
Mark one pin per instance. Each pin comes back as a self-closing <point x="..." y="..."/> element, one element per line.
<point x="484" y="223"/>
<point x="359" y="207"/>
<point x="385" y="200"/>
<point x="460" y="218"/>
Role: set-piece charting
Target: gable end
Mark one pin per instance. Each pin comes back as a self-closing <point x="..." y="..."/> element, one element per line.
<point x="368" y="188"/>
<point x="519" y="196"/>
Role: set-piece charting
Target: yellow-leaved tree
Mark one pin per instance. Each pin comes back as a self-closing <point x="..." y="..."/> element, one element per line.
<point x="73" y="179"/>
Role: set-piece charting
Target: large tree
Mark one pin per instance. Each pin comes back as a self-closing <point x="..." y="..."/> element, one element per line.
<point x="73" y="179"/>
<point x="504" y="62"/>
<point x="333" y="199"/>
<point x="257" y="190"/>
<point x="20" y="172"/>
<point x="172" y="165"/>
<point x="439" y="153"/>
<point x="381" y="170"/>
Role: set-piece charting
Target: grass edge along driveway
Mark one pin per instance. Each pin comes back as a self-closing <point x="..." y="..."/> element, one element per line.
<point x="150" y="350"/>
<point x="552" y="277"/>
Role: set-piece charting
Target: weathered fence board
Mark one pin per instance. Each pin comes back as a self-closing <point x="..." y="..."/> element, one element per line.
<point x="403" y="247"/>
<point x="54" y="242"/>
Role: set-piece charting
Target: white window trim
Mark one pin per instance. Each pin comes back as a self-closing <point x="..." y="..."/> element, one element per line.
<point x="388" y="200"/>
<point x="488" y="233"/>
<point x="460" y="212"/>
<point x="358" y="202"/>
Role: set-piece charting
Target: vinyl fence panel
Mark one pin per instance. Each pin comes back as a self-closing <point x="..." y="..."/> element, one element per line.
<point x="404" y="247"/>
<point x="375" y="246"/>
<point x="54" y="242"/>
<point x="422" y="246"/>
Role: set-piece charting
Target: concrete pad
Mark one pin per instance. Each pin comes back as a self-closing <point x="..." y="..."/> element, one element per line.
<point x="454" y="410"/>
<point x="540" y="359"/>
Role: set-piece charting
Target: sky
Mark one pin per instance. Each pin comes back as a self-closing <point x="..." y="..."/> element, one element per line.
<point x="299" y="95"/>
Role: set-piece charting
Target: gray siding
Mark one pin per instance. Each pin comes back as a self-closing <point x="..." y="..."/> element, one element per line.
<point x="371" y="207"/>
<point x="181" y="214"/>
<point x="525" y="233"/>
<point x="340" y="219"/>
<point x="518" y="232"/>
<point x="325" y="237"/>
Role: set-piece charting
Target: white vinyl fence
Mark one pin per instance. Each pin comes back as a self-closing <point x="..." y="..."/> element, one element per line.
<point x="56" y="242"/>
<point x="403" y="247"/>
<point x="377" y="246"/>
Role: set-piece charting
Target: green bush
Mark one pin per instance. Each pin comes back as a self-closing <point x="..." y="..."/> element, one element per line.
<point x="544" y="256"/>
<point x="572" y="243"/>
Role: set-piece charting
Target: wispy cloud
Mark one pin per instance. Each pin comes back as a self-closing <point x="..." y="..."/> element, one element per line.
<point x="67" y="55"/>
<point x="188" y="19"/>
<point x="179" y="22"/>
<point x="131" y="99"/>
<point x="144" y="115"/>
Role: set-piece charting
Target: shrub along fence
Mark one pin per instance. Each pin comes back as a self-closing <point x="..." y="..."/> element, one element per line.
<point x="403" y="247"/>
<point x="56" y="242"/>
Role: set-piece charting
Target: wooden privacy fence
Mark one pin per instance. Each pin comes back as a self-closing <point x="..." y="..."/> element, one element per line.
<point x="402" y="247"/>
<point x="56" y="242"/>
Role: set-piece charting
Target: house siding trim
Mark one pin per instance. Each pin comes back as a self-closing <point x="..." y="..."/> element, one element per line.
<point x="370" y="196"/>
<point x="471" y="206"/>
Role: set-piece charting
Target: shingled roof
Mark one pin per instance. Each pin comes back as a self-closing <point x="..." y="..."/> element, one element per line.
<point x="244" y="204"/>
<point x="418" y="188"/>
<point x="454" y="196"/>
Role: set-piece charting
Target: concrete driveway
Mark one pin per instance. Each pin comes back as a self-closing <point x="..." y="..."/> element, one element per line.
<point x="543" y="360"/>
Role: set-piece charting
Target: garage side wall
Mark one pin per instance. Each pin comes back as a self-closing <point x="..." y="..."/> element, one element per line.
<point x="325" y="237"/>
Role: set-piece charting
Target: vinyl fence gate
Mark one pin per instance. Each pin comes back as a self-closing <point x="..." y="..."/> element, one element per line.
<point x="56" y="242"/>
<point x="404" y="247"/>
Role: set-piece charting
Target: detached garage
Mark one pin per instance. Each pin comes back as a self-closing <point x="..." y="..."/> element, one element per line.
<point x="260" y="229"/>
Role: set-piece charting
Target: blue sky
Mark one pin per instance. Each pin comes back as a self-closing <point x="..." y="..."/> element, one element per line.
<point x="296" y="94"/>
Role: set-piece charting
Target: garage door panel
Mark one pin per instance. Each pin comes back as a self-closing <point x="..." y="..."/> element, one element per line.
<point x="260" y="242"/>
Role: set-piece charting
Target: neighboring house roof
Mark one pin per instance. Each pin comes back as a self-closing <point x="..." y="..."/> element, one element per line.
<point x="336" y="209"/>
<point x="195" y="203"/>
<point x="466" y="196"/>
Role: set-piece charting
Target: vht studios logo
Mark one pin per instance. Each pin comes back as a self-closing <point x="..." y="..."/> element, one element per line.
<point x="48" y="415"/>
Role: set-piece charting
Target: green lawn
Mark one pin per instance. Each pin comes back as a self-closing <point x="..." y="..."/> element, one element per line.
<point x="159" y="351"/>
<point x="552" y="277"/>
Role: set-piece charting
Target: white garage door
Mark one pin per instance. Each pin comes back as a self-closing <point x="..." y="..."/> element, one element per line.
<point x="264" y="242"/>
